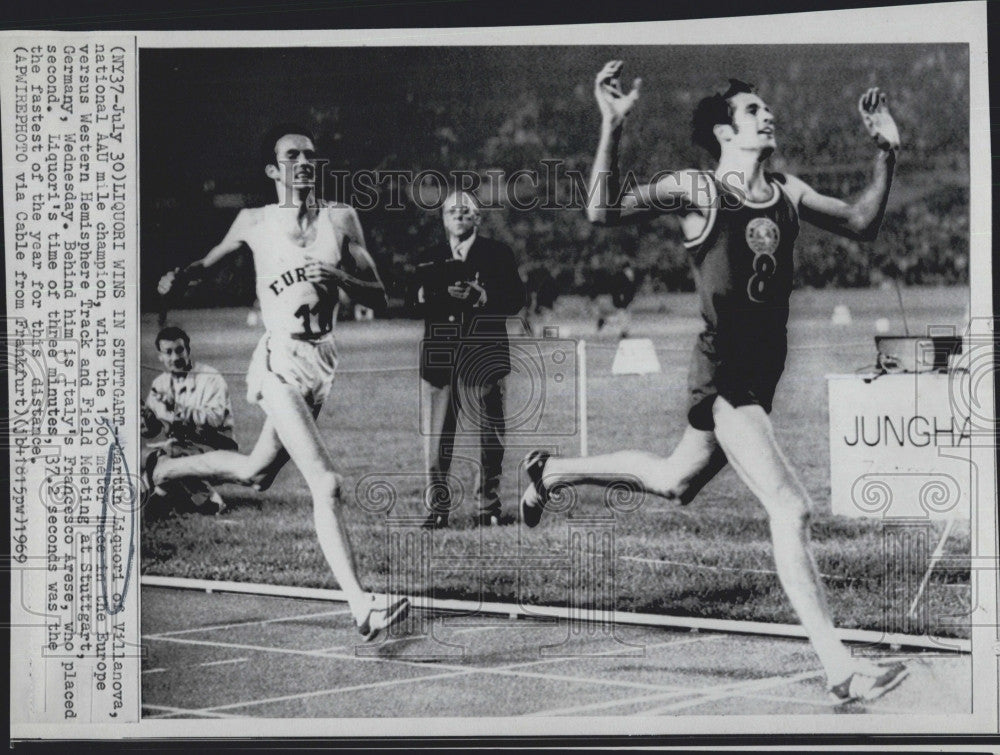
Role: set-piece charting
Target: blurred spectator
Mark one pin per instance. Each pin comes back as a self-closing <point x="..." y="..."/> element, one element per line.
<point x="624" y="285"/>
<point x="542" y="292"/>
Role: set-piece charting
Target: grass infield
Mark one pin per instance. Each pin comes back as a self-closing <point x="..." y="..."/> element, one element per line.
<point x="709" y="559"/>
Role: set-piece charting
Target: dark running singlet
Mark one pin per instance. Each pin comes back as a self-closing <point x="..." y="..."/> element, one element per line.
<point x="742" y="263"/>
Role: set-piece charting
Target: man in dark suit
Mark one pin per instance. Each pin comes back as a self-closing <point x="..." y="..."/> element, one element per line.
<point x="470" y="285"/>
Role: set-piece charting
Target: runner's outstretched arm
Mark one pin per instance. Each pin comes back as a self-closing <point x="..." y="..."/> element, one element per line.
<point x="860" y="219"/>
<point x="603" y="203"/>
<point x="232" y="241"/>
<point x="606" y="204"/>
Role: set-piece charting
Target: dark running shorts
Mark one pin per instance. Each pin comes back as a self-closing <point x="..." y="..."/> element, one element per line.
<point x="745" y="374"/>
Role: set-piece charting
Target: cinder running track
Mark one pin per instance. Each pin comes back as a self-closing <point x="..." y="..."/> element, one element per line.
<point x="218" y="655"/>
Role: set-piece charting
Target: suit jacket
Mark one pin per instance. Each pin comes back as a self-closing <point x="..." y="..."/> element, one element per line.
<point x="462" y="341"/>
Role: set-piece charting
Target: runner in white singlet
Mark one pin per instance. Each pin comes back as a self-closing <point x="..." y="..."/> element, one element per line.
<point x="304" y="250"/>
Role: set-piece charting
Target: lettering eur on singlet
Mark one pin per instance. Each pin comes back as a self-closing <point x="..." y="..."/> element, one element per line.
<point x="289" y="304"/>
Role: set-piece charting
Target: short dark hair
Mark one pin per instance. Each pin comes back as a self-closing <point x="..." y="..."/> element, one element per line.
<point x="714" y="110"/>
<point x="270" y="139"/>
<point x="172" y="333"/>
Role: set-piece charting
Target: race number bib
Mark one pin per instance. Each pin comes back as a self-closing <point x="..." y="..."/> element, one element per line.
<point x="763" y="237"/>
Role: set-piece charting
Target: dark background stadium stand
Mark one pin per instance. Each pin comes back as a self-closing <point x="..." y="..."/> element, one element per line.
<point x="534" y="105"/>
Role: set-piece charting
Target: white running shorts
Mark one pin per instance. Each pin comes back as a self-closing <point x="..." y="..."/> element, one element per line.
<point x="307" y="366"/>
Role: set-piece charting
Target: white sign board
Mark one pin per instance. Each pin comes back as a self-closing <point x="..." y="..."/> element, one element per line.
<point x="898" y="448"/>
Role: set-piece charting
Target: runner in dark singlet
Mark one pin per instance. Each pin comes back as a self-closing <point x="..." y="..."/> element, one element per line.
<point x="742" y="262"/>
<point x="740" y="224"/>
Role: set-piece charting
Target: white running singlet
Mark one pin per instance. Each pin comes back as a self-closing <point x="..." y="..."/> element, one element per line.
<point x="289" y="304"/>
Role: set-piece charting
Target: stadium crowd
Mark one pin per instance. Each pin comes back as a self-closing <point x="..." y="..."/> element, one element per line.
<point x="925" y="236"/>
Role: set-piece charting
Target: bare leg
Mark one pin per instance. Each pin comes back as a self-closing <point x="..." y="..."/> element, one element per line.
<point x="747" y="436"/>
<point x="696" y="459"/>
<point x="257" y="469"/>
<point x="295" y="427"/>
<point x="264" y="454"/>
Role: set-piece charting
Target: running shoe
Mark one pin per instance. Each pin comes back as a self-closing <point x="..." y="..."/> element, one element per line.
<point x="863" y="686"/>
<point x="379" y="620"/>
<point x="536" y="494"/>
<point x="146" y="485"/>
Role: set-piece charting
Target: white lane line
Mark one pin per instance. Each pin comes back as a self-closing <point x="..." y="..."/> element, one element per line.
<point x="198" y="665"/>
<point x="222" y="663"/>
<point x="733" y="692"/>
<point x="506" y="669"/>
<point x="334" y="649"/>
<point x="255" y="622"/>
<point x="334" y="690"/>
<point x="168" y="710"/>
<point x="518" y="669"/>
<point x="451" y="671"/>
<point x="702" y="692"/>
<point x="454" y="671"/>
<point x="457" y="631"/>
<point x="240" y="646"/>
<point x="447" y="633"/>
<point x="328" y="652"/>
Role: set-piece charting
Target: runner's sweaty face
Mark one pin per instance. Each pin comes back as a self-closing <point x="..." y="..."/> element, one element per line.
<point x="174" y="356"/>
